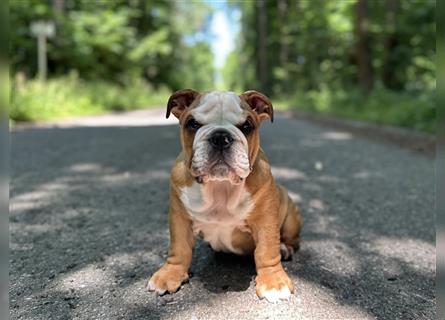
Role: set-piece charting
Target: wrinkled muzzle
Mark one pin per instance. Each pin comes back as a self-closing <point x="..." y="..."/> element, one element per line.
<point x="220" y="153"/>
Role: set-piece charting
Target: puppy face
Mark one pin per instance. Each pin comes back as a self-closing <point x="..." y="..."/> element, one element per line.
<point x="219" y="132"/>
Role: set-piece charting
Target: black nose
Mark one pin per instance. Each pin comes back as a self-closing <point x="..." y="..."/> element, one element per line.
<point x="221" y="140"/>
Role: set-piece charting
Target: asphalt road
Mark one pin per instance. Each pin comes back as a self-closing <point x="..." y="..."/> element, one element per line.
<point x="88" y="225"/>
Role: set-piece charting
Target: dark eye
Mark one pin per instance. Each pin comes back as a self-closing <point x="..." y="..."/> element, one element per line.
<point x="193" y="125"/>
<point x="246" y="127"/>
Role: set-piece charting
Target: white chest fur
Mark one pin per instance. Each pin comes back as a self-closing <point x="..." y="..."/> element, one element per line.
<point x="217" y="208"/>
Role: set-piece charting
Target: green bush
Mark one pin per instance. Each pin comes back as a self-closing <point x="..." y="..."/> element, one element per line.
<point x="403" y="109"/>
<point x="70" y="96"/>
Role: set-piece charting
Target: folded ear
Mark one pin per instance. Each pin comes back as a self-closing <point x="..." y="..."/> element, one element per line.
<point x="259" y="103"/>
<point x="180" y="100"/>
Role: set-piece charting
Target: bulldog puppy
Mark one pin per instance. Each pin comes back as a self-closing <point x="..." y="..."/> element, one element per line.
<point x="222" y="189"/>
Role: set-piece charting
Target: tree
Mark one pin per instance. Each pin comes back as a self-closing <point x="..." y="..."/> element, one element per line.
<point x="391" y="43"/>
<point x="117" y="41"/>
<point x="283" y="13"/>
<point x="262" y="63"/>
<point x="363" y="55"/>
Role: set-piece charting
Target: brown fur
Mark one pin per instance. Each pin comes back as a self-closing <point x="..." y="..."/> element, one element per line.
<point x="274" y="218"/>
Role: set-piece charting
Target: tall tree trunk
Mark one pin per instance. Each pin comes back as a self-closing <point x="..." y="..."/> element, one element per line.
<point x="283" y="8"/>
<point x="391" y="41"/>
<point x="363" y="54"/>
<point x="262" y="67"/>
<point x="58" y="6"/>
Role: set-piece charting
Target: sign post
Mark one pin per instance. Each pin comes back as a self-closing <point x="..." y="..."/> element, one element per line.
<point x="42" y="30"/>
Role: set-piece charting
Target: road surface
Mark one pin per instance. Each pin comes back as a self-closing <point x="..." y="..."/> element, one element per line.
<point x="88" y="225"/>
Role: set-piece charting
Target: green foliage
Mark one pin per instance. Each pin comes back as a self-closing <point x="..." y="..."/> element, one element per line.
<point x="4" y="90"/>
<point x="311" y="48"/>
<point x="70" y="96"/>
<point x="312" y="43"/>
<point x="230" y="68"/>
<point x="382" y="106"/>
<point x="122" y="50"/>
<point x="95" y="43"/>
<point x="196" y="68"/>
<point x="115" y="40"/>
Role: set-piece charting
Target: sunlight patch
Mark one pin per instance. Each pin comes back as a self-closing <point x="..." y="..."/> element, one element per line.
<point x="316" y="299"/>
<point x="136" y="178"/>
<point x="311" y="143"/>
<point x="418" y="254"/>
<point x="90" y="277"/>
<point x="337" y="135"/>
<point x="85" y="167"/>
<point x="362" y="175"/>
<point x="334" y="256"/>
<point x="317" y="204"/>
<point x="36" y="198"/>
<point x="128" y="261"/>
<point x="326" y="178"/>
<point x="287" y="173"/>
<point x="296" y="197"/>
<point x="366" y="175"/>
<point x="25" y="229"/>
<point x="324" y="224"/>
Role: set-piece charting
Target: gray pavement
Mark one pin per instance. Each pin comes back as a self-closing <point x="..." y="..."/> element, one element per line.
<point x="88" y="225"/>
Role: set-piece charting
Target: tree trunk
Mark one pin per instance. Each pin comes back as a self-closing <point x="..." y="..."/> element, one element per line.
<point x="58" y="6"/>
<point x="262" y="65"/>
<point x="284" y="47"/>
<point x="391" y="41"/>
<point x="283" y="8"/>
<point x="363" y="54"/>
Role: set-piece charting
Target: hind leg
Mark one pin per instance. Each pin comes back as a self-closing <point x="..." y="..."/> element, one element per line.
<point x="290" y="231"/>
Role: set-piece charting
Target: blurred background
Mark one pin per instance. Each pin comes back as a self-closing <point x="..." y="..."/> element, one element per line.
<point x="366" y="60"/>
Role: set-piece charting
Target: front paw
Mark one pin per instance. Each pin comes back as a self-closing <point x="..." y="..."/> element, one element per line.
<point x="274" y="286"/>
<point x="167" y="279"/>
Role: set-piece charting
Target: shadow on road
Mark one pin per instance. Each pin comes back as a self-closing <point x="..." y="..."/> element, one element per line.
<point x="88" y="224"/>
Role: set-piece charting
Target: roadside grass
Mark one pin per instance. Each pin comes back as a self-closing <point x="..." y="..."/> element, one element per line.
<point x="70" y="96"/>
<point x="401" y="109"/>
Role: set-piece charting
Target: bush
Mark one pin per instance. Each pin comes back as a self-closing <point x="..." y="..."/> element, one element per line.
<point x="70" y="96"/>
<point x="403" y="109"/>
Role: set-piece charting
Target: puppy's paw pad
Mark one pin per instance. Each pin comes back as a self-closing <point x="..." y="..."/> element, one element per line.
<point x="274" y="295"/>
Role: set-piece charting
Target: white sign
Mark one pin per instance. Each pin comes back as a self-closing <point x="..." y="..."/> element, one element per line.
<point x="43" y="28"/>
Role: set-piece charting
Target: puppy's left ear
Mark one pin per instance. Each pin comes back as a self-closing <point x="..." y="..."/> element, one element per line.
<point x="180" y="100"/>
<point x="259" y="103"/>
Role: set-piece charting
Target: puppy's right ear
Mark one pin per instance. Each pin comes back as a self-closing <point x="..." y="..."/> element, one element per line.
<point x="180" y="100"/>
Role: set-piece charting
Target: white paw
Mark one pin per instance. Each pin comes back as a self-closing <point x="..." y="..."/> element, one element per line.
<point x="151" y="287"/>
<point x="275" y="295"/>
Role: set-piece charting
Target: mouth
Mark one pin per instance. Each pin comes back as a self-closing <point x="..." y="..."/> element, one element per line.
<point x="219" y="170"/>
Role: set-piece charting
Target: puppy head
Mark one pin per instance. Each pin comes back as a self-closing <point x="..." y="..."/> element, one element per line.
<point x="220" y="131"/>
